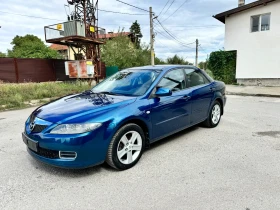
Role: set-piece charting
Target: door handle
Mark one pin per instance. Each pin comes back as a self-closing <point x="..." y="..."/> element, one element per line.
<point x="186" y="97"/>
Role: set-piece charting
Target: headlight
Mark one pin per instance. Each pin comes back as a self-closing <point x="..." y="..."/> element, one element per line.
<point x="75" y="128"/>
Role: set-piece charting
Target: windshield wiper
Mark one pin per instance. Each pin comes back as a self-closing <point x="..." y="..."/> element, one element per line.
<point x="107" y="92"/>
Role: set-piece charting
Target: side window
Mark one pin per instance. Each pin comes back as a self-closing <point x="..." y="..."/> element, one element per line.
<point x="195" y="78"/>
<point x="174" y="80"/>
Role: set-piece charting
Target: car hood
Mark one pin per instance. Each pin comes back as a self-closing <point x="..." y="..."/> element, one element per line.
<point x="76" y="106"/>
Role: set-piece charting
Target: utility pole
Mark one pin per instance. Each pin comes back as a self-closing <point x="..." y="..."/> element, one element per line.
<point x="206" y="63"/>
<point x="196" y="54"/>
<point x="152" y="37"/>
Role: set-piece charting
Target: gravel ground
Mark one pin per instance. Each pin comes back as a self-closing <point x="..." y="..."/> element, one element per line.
<point x="234" y="166"/>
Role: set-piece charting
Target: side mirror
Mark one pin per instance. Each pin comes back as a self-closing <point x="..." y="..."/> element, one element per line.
<point x="163" y="92"/>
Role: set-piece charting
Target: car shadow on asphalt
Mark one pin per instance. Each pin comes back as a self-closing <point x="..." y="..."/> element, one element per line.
<point x="78" y="173"/>
<point x="173" y="137"/>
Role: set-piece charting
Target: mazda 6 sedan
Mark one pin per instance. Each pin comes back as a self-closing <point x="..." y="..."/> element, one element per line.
<point x="117" y="119"/>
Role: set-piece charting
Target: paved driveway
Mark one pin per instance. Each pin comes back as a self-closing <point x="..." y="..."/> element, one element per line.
<point x="234" y="166"/>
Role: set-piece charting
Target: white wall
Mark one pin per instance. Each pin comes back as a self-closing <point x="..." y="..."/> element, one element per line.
<point x="258" y="53"/>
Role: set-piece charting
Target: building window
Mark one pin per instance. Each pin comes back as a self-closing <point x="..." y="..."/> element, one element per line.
<point x="260" y="23"/>
<point x="265" y="22"/>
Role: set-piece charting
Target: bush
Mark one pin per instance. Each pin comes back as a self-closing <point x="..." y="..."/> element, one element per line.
<point x="210" y="73"/>
<point x="223" y="66"/>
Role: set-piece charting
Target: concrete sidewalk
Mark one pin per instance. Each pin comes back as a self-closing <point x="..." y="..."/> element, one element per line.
<point x="253" y="91"/>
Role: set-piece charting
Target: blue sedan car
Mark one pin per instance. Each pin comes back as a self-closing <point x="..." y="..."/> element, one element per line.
<point x="117" y="119"/>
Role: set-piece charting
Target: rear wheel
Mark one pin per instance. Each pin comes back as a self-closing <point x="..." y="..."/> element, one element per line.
<point x="214" y="116"/>
<point x="126" y="147"/>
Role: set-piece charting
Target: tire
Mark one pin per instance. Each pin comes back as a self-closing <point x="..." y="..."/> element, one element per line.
<point x="126" y="147"/>
<point x="212" y="121"/>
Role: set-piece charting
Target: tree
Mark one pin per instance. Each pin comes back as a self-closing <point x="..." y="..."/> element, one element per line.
<point x="30" y="46"/>
<point x="202" y="64"/>
<point x="159" y="61"/>
<point x="2" y="55"/>
<point x="122" y="53"/>
<point x="136" y="30"/>
<point x="177" y="60"/>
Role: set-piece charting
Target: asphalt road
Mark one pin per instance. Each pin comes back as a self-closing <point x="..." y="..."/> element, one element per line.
<point x="234" y="166"/>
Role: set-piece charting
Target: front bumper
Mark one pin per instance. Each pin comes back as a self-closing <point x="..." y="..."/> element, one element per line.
<point x="90" y="148"/>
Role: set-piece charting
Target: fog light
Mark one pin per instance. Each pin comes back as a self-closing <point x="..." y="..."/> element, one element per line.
<point x="67" y="155"/>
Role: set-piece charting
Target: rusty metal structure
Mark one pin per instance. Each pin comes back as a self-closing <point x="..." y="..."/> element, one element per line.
<point x="80" y="33"/>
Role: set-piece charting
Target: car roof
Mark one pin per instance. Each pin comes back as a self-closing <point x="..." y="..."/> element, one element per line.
<point x="161" y="67"/>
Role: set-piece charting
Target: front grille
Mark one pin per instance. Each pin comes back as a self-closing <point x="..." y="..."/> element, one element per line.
<point x="47" y="153"/>
<point x="39" y="128"/>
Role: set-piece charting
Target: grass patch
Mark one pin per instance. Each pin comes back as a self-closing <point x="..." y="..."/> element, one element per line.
<point x="13" y="96"/>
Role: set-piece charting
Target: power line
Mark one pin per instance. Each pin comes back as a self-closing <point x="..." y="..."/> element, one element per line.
<point x="169" y="6"/>
<point x="163" y="45"/>
<point x="175" y="11"/>
<point x="45" y="18"/>
<point x="29" y="16"/>
<point x="133" y="6"/>
<point x="163" y="8"/>
<point x="202" y="49"/>
<point x="162" y="34"/>
<point x="174" y="39"/>
<point x="123" y="13"/>
<point x="176" y="26"/>
<point x="172" y="36"/>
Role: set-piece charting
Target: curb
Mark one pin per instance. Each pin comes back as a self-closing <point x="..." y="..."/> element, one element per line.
<point x="255" y="95"/>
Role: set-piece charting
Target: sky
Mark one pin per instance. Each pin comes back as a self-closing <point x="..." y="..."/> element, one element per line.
<point x="189" y="22"/>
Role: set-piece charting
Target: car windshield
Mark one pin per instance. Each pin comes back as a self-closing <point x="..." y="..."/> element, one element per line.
<point x="127" y="82"/>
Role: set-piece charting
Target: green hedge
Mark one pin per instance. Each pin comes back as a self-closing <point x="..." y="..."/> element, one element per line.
<point x="223" y="66"/>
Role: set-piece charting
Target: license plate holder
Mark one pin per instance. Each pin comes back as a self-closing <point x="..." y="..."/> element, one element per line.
<point x="31" y="144"/>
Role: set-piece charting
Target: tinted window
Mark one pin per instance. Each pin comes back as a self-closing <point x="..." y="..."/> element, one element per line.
<point x="195" y="78"/>
<point x="174" y="80"/>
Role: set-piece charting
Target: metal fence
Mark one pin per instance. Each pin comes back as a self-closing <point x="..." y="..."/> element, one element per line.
<point x="18" y="70"/>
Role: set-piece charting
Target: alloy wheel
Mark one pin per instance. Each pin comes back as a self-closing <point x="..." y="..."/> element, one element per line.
<point x="129" y="147"/>
<point x="216" y="114"/>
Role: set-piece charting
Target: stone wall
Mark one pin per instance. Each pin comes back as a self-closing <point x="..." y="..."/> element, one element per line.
<point x="260" y="82"/>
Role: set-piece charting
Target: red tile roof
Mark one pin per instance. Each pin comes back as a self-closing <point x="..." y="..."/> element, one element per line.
<point x="58" y="47"/>
<point x="112" y="35"/>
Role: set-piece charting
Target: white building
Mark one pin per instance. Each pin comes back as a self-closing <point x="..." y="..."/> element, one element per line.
<point x="253" y="30"/>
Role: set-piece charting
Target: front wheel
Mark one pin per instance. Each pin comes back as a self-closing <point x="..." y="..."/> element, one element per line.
<point x="214" y="115"/>
<point x="126" y="147"/>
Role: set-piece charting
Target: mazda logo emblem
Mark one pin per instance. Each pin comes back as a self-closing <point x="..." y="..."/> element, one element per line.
<point x="31" y="126"/>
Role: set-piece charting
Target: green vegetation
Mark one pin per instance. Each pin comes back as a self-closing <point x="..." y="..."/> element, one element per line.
<point x="2" y="55"/>
<point x="210" y="73"/>
<point x="203" y="64"/>
<point x="20" y="95"/>
<point x="121" y="52"/>
<point x="177" y="60"/>
<point x="223" y="66"/>
<point x="136" y="29"/>
<point x="30" y="46"/>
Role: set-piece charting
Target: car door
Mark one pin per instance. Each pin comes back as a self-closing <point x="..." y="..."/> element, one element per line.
<point x="171" y="113"/>
<point x="202" y="95"/>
